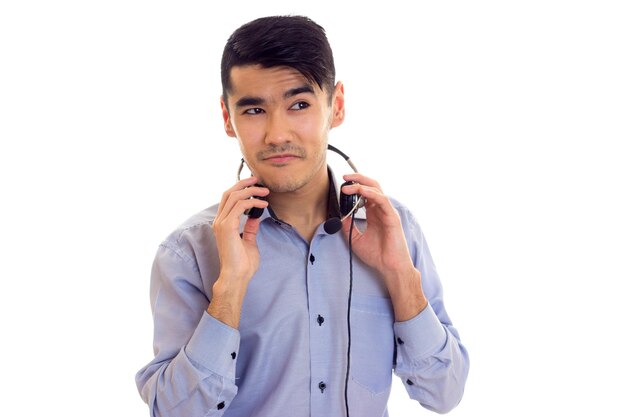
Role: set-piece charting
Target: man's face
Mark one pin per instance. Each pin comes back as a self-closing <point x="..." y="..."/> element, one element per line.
<point x="282" y="122"/>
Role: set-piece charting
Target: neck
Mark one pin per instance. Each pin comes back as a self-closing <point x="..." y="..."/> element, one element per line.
<point x="305" y="208"/>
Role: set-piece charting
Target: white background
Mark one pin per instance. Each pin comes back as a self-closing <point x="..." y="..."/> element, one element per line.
<point x="501" y="124"/>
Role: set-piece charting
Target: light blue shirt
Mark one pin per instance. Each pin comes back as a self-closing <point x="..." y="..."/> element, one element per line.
<point x="288" y="357"/>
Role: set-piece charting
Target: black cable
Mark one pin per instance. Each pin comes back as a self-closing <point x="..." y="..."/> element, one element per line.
<point x="349" y="304"/>
<point x="343" y="155"/>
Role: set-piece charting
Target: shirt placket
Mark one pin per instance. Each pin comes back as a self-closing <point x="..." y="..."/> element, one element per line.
<point x="319" y="338"/>
<point x="327" y="298"/>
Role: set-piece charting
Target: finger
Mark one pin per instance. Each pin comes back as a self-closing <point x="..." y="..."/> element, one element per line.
<point x="240" y="185"/>
<point x="363" y="190"/>
<point x="362" y="179"/>
<point x="373" y="197"/>
<point x="239" y="208"/>
<point x="241" y="195"/>
<point x="250" y="229"/>
<point x="229" y="224"/>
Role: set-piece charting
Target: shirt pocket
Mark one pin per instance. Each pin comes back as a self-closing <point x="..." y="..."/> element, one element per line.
<point x="372" y="344"/>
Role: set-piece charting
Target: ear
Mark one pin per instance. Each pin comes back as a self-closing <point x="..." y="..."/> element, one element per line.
<point x="228" y="126"/>
<point x="339" y="111"/>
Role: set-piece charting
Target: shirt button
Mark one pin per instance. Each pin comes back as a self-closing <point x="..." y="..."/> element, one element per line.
<point x="320" y="320"/>
<point x="400" y="341"/>
<point x="233" y="355"/>
<point x="322" y="386"/>
<point x="312" y="259"/>
<point x="221" y="405"/>
<point x="409" y="382"/>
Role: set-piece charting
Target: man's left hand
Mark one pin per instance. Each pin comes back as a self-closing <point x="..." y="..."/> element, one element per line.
<point x="382" y="246"/>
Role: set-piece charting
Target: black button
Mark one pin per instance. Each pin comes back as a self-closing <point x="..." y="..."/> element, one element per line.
<point x="312" y="259"/>
<point x="320" y="320"/>
<point x="322" y="386"/>
<point x="400" y="341"/>
<point x="233" y="355"/>
<point x="409" y="382"/>
<point x="221" y="405"/>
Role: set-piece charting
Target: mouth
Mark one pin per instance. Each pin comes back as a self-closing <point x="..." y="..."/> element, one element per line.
<point x="280" y="159"/>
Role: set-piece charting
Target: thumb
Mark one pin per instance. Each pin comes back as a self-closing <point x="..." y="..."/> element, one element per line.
<point x="250" y="229"/>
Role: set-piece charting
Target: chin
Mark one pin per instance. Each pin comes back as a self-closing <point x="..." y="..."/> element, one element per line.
<point x="289" y="178"/>
<point x="284" y="185"/>
<point x="283" y="181"/>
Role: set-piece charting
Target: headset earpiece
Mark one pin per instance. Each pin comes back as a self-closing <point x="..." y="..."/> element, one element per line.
<point x="347" y="202"/>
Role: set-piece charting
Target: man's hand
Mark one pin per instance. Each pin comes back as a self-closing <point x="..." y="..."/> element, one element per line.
<point x="239" y="255"/>
<point x="383" y="247"/>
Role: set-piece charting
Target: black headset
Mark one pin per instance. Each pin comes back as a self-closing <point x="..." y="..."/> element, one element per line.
<point x="348" y="204"/>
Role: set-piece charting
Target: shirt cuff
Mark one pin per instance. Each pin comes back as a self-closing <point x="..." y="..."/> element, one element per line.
<point x="214" y="346"/>
<point x="420" y="336"/>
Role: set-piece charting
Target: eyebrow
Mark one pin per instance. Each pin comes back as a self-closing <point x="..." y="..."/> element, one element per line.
<point x="257" y="101"/>
<point x="298" y="90"/>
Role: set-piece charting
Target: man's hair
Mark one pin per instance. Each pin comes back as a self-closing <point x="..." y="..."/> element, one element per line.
<point x="290" y="41"/>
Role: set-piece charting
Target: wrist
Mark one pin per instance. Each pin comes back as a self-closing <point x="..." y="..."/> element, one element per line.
<point x="228" y="285"/>
<point x="407" y="296"/>
<point x="226" y="302"/>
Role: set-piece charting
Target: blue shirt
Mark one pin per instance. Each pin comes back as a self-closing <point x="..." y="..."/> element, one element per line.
<point x="288" y="357"/>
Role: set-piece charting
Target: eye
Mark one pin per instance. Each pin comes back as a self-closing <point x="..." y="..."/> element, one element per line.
<point x="301" y="105"/>
<point x="252" y="111"/>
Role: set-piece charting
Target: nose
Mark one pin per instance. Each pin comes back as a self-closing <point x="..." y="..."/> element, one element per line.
<point x="278" y="129"/>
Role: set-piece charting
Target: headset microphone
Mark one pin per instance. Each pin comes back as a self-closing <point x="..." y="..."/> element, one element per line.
<point x="332" y="225"/>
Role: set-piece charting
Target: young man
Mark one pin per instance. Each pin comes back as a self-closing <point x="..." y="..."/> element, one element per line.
<point x="272" y="316"/>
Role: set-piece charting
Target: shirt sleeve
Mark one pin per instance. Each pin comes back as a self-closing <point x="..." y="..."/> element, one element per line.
<point x="431" y="360"/>
<point x="193" y="371"/>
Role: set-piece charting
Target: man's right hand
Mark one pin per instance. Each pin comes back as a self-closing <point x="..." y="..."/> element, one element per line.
<point x="239" y="255"/>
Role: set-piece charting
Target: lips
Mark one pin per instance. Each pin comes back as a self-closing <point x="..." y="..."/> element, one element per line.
<point x="281" y="155"/>
<point x="281" y="158"/>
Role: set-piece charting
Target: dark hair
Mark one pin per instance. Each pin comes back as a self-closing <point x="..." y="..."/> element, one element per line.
<point x="291" y="41"/>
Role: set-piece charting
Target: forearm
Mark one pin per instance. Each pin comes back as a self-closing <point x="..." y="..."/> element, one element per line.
<point x="199" y="379"/>
<point x="405" y="290"/>
<point x="431" y="361"/>
<point x="193" y="370"/>
<point x="227" y="301"/>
